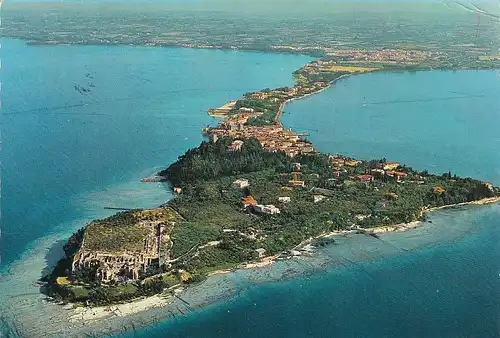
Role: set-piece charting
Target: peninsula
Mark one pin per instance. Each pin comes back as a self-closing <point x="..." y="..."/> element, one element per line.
<point x="253" y="192"/>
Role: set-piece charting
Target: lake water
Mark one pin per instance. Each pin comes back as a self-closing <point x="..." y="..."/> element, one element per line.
<point x="441" y="280"/>
<point x="67" y="153"/>
<point x="434" y="120"/>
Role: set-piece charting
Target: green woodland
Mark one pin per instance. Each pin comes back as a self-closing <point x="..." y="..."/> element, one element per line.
<point x="210" y="209"/>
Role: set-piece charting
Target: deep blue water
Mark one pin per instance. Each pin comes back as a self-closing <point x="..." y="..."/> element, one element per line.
<point x="435" y="120"/>
<point x="451" y="289"/>
<point x="65" y="155"/>
<point x="63" y="152"/>
<point x="438" y="121"/>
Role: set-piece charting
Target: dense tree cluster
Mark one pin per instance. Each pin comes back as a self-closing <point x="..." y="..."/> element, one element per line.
<point x="216" y="232"/>
<point x="213" y="160"/>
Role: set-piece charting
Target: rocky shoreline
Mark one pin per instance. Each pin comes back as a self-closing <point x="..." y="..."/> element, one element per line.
<point x="86" y="315"/>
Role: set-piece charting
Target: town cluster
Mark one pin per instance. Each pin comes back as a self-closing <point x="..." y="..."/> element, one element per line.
<point x="383" y="55"/>
<point x="272" y="138"/>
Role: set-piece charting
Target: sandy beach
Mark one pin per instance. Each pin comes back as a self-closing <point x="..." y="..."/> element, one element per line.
<point x="43" y="318"/>
<point x="91" y="314"/>
<point x="88" y="314"/>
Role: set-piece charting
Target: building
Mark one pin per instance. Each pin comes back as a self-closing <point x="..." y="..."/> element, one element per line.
<point x="266" y="209"/>
<point x="261" y="252"/>
<point x="177" y="190"/>
<point x="365" y="178"/>
<point x="397" y="174"/>
<point x="120" y="260"/>
<point x="318" y="198"/>
<point x="297" y="183"/>
<point x="246" y="110"/>
<point x="352" y="163"/>
<point x="390" y="165"/>
<point x="488" y="186"/>
<point x="379" y="173"/>
<point x="240" y="183"/>
<point x="248" y="201"/>
<point x="235" y="146"/>
<point x="392" y="195"/>
<point x="337" y="173"/>
<point x="296" y="166"/>
<point x="438" y="189"/>
<point x="284" y="199"/>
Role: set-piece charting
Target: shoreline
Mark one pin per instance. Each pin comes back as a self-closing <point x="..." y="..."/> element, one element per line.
<point x="87" y="314"/>
<point x="101" y="313"/>
<point x="281" y="109"/>
<point x="161" y="300"/>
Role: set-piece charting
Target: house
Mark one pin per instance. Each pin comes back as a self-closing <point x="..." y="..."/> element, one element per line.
<point x="337" y="173"/>
<point x="390" y="165"/>
<point x="379" y="173"/>
<point x="352" y="163"/>
<point x="235" y="146"/>
<point x="438" y="189"/>
<point x="240" y="183"/>
<point x="396" y="174"/>
<point x="259" y="96"/>
<point x="314" y="175"/>
<point x="63" y="281"/>
<point x="365" y="178"/>
<point x="261" y="252"/>
<point x="338" y="163"/>
<point x="318" y="198"/>
<point x="246" y="110"/>
<point x="284" y="199"/>
<point x="296" y="166"/>
<point x="297" y="183"/>
<point x="177" y="190"/>
<point x="488" y="186"/>
<point x="266" y="209"/>
<point x="248" y="201"/>
<point x="392" y="195"/>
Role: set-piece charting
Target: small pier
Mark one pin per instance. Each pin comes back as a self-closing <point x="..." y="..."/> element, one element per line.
<point x="117" y="208"/>
<point x="154" y="179"/>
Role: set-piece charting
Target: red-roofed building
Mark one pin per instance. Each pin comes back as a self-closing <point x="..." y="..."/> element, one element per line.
<point x="365" y="178"/>
<point x="248" y="201"/>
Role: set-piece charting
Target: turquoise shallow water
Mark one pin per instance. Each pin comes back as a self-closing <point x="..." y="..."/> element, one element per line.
<point x="448" y="288"/>
<point x="63" y="152"/>
<point x="65" y="155"/>
<point x="446" y="283"/>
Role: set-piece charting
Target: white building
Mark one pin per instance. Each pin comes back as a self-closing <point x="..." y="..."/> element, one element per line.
<point x="266" y="209"/>
<point x="318" y="198"/>
<point x="261" y="252"/>
<point x="284" y="199"/>
<point x="246" y="110"/>
<point x="240" y="183"/>
<point x="235" y="146"/>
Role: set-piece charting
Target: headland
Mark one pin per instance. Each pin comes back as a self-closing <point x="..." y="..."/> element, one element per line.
<point x="253" y="193"/>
